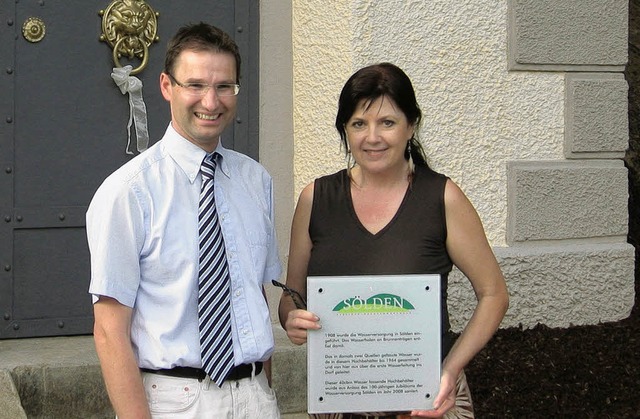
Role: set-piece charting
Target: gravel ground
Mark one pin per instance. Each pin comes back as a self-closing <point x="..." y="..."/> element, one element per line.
<point x="579" y="372"/>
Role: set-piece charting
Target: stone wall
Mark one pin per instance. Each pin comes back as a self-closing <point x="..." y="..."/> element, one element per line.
<point x="568" y="218"/>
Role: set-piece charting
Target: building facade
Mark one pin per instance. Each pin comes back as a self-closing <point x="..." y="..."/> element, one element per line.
<point x="525" y="107"/>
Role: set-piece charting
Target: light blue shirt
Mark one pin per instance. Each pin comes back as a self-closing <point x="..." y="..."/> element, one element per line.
<point x="143" y="238"/>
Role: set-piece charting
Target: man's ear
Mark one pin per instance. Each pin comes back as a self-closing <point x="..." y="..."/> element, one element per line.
<point x="166" y="87"/>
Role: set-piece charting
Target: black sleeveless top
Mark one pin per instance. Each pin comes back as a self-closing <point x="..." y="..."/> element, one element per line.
<point x="412" y="243"/>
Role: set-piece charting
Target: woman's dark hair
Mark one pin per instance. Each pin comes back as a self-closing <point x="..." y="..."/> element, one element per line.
<point x="375" y="81"/>
<point x="200" y="37"/>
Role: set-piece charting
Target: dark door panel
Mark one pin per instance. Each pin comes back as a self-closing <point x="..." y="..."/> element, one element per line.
<point x="63" y="129"/>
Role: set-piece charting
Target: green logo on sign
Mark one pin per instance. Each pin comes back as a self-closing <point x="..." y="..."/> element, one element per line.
<point x="379" y="303"/>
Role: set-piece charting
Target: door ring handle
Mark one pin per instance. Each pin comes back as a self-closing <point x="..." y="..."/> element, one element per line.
<point x="145" y="56"/>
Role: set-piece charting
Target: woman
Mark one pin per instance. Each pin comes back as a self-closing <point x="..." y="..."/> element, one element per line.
<point x="389" y="213"/>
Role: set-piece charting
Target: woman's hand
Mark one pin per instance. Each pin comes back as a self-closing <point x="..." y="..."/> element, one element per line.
<point x="445" y="399"/>
<point x="297" y="324"/>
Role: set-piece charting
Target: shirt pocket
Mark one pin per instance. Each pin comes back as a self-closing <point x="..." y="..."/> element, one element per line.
<point x="259" y="238"/>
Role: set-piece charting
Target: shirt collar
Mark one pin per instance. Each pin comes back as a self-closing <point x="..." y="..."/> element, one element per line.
<point x="222" y="162"/>
<point x="189" y="156"/>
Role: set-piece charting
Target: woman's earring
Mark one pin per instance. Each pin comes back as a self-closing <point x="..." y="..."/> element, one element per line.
<point x="412" y="167"/>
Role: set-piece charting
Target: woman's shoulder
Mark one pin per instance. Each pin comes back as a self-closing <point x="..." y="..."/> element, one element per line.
<point x="428" y="172"/>
<point x="332" y="181"/>
<point x="328" y="188"/>
<point x="333" y="177"/>
<point x="321" y="183"/>
<point x="430" y="179"/>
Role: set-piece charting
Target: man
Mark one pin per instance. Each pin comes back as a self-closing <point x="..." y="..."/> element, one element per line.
<point x="175" y="336"/>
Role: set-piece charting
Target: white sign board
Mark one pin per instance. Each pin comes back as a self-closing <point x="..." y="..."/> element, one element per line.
<point x="379" y="345"/>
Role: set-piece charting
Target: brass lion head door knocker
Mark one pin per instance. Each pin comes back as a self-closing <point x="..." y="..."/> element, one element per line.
<point x="129" y="27"/>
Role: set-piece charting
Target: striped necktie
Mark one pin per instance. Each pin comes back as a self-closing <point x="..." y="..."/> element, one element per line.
<point x="214" y="306"/>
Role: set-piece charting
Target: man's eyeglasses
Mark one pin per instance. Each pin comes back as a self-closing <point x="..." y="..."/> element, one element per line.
<point x="295" y="295"/>
<point x="201" y="89"/>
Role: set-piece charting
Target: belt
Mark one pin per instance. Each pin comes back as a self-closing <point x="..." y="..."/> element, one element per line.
<point x="237" y="373"/>
<point x="359" y="416"/>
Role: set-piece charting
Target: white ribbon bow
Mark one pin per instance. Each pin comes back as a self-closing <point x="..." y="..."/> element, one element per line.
<point x="137" y="108"/>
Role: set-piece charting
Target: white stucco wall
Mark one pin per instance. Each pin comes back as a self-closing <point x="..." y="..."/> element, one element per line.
<point x="477" y="115"/>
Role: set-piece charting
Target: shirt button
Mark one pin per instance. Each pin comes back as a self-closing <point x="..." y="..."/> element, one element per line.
<point x="245" y="332"/>
<point x="238" y="293"/>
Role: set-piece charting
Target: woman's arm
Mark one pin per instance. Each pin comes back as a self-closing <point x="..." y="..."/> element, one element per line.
<point x="294" y="321"/>
<point x="470" y="251"/>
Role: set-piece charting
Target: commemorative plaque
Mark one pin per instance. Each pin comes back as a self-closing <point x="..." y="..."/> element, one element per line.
<point x="379" y="345"/>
